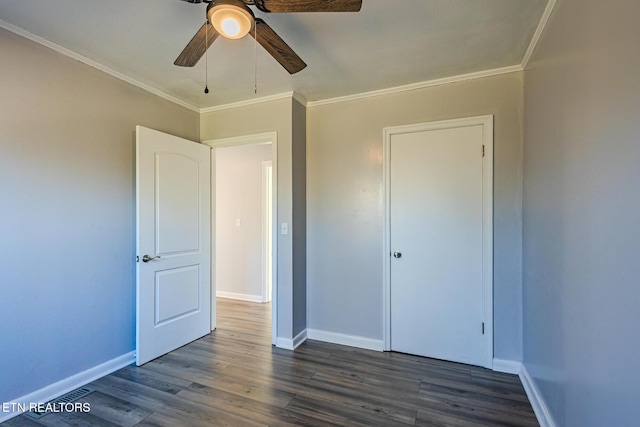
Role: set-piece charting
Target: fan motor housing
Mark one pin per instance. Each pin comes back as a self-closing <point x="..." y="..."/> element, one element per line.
<point x="234" y="7"/>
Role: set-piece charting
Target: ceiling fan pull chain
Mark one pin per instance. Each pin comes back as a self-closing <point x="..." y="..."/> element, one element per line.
<point x="206" y="56"/>
<point x="255" y="58"/>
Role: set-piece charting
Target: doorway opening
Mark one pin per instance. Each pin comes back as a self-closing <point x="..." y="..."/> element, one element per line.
<point x="244" y="204"/>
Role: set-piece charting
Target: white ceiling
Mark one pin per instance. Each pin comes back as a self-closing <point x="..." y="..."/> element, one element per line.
<point x="389" y="43"/>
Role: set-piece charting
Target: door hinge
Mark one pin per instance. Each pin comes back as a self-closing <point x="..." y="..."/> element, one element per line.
<point x="137" y="258"/>
<point x="483" y="151"/>
<point x="482" y="328"/>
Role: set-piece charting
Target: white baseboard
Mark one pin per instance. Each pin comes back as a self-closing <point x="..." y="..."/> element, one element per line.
<point x="285" y="343"/>
<point x="292" y="344"/>
<point x="507" y="366"/>
<point x="540" y="407"/>
<point x="242" y="297"/>
<point x="68" y="384"/>
<point x="342" y="339"/>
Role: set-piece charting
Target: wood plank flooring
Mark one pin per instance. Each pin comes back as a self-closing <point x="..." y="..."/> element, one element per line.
<point x="234" y="377"/>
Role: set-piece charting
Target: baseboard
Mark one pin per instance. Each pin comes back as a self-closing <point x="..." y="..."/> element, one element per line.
<point x="343" y="339"/>
<point x="292" y="344"/>
<point x="242" y="297"/>
<point x="507" y="366"/>
<point x="299" y="339"/>
<point x="68" y="384"/>
<point x="540" y="407"/>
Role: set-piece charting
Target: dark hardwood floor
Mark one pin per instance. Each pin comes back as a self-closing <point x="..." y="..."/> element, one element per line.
<point x="235" y="377"/>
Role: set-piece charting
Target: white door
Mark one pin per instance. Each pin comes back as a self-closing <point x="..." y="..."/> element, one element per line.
<point x="436" y="219"/>
<point x="173" y="219"/>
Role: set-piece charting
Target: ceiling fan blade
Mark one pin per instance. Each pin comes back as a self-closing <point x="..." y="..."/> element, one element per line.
<point x="277" y="47"/>
<point x="278" y="6"/>
<point x="197" y="46"/>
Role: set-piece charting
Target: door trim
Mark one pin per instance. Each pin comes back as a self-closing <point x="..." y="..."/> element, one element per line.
<point x="267" y="204"/>
<point x="487" y="223"/>
<point x="254" y="139"/>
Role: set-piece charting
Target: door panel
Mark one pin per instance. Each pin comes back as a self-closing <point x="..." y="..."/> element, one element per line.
<point x="177" y="293"/>
<point x="436" y="221"/>
<point x="173" y="218"/>
<point x="177" y="199"/>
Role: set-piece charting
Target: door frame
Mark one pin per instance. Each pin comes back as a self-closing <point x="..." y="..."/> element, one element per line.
<point x="487" y="222"/>
<point x="267" y="187"/>
<point x="253" y="139"/>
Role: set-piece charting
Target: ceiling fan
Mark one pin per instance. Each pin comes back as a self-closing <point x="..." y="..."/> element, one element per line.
<point x="234" y="19"/>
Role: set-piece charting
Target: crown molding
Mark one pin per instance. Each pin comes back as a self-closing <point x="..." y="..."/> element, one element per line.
<point x="83" y="59"/>
<point x="71" y="54"/>
<point x="300" y="98"/>
<point x="292" y="94"/>
<point x="536" y="36"/>
<point x="419" y="85"/>
<point x="278" y="96"/>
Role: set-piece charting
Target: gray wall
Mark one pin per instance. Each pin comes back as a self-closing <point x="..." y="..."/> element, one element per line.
<point x="258" y="118"/>
<point x="581" y="227"/>
<point x="345" y="205"/>
<point x="67" y="164"/>
<point x="299" y="172"/>
<point x="239" y="186"/>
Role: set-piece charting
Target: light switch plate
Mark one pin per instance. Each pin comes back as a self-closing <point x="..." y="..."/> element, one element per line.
<point x="285" y="228"/>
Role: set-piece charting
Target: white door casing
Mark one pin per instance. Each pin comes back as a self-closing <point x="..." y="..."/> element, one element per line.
<point x="173" y="220"/>
<point x="267" y="229"/>
<point x="439" y="216"/>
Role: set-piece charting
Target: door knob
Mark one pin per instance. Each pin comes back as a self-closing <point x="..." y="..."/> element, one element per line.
<point x="397" y="254"/>
<point x="148" y="258"/>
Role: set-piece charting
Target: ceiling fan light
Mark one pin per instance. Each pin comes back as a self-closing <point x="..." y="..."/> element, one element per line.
<point x="231" y="20"/>
<point x="230" y="27"/>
